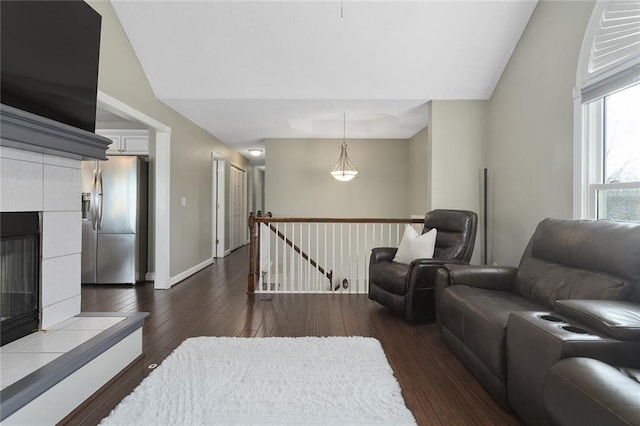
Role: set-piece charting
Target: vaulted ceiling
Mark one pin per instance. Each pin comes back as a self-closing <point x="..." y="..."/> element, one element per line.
<point x="250" y="70"/>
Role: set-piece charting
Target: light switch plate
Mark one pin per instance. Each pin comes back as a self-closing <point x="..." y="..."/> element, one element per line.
<point x="183" y="200"/>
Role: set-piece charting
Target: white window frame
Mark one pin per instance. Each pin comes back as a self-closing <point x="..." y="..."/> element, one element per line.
<point x="588" y="118"/>
<point x="593" y="135"/>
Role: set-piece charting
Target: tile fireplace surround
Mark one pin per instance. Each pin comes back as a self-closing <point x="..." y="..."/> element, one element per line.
<point x="31" y="181"/>
<point x="40" y="171"/>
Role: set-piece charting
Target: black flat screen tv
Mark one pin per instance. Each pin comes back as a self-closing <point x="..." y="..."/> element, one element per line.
<point x="49" y="54"/>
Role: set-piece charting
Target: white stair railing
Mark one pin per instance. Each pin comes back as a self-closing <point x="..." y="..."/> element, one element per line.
<point x="317" y="255"/>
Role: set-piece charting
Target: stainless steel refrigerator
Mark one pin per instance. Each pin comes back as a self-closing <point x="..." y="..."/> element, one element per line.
<point x="114" y="220"/>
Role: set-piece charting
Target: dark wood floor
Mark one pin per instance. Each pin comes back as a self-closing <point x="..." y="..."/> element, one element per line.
<point x="437" y="388"/>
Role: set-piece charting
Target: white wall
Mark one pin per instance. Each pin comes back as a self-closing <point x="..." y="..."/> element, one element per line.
<point x="456" y="143"/>
<point x="530" y="143"/>
<point x="298" y="184"/>
<point x="121" y="76"/>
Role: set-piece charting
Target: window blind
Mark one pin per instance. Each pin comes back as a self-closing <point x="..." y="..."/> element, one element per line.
<point x="614" y="61"/>
<point x="619" y="36"/>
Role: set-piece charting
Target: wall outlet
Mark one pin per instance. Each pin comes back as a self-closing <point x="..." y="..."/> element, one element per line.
<point x="183" y="201"/>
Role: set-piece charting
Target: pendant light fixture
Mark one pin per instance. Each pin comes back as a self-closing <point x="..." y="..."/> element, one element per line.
<point x="344" y="169"/>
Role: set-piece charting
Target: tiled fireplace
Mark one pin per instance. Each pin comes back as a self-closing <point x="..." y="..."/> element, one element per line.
<point x="50" y="184"/>
<point x="47" y="374"/>
<point x="40" y="172"/>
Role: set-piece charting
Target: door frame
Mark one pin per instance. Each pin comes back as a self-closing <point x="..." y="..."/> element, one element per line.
<point x="218" y="217"/>
<point x="162" y="178"/>
<point x="243" y="238"/>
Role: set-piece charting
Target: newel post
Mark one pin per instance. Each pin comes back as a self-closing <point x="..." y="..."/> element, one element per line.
<point x="252" y="256"/>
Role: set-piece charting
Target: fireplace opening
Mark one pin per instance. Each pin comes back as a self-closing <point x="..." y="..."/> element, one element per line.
<point x="19" y="275"/>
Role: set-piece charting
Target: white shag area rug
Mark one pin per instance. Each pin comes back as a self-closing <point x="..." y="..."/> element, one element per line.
<point x="268" y="381"/>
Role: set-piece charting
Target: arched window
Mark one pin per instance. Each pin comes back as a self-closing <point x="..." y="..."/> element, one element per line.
<point x="607" y="115"/>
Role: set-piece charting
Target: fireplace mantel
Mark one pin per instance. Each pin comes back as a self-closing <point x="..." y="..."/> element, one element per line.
<point x="30" y="132"/>
<point x="40" y="171"/>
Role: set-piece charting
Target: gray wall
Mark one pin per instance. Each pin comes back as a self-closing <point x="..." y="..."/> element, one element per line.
<point x="529" y="147"/>
<point x="257" y="193"/>
<point x="530" y="143"/>
<point x="298" y="184"/>
<point x="121" y="76"/>
<point x="456" y="144"/>
<point x="419" y="173"/>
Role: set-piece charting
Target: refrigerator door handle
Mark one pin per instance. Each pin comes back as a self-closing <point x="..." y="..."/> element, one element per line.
<point x="100" y="204"/>
<point x="94" y="200"/>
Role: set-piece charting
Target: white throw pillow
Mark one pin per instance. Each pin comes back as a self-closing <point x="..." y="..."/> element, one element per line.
<point x="415" y="246"/>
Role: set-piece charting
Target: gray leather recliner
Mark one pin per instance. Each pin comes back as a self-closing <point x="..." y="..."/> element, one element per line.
<point x="408" y="290"/>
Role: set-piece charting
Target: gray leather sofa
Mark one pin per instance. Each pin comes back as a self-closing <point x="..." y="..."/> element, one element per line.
<point x="585" y="391"/>
<point x="574" y="294"/>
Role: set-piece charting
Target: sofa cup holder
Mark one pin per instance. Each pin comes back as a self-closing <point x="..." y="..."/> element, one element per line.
<point x="573" y="329"/>
<point x="551" y="318"/>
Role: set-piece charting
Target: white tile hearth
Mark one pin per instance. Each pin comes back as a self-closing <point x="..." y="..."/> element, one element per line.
<point x="24" y="356"/>
<point x="59" y="342"/>
<point x="16" y="365"/>
<point x="92" y="323"/>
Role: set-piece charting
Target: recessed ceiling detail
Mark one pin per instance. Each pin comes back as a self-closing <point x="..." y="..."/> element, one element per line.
<point x="249" y="70"/>
<point x="361" y="124"/>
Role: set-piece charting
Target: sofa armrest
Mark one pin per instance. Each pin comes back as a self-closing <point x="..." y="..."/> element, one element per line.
<point x="535" y="341"/>
<point x="581" y="391"/>
<point x="421" y="280"/>
<point x="615" y="318"/>
<point x="422" y="272"/>
<point x="487" y="277"/>
<point x="380" y="254"/>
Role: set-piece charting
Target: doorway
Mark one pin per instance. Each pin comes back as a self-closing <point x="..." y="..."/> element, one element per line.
<point x="159" y="154"/>
<point x="237" y="207"/>
<point x="217" y="206"/>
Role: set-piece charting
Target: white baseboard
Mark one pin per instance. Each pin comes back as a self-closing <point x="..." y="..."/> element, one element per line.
<point x="186" y="274"/>
<point x="227" y="252"/>
<point x="150" y="276"/>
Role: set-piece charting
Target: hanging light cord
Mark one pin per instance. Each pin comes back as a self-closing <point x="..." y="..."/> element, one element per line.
<point x="342" y="8"/>
<point x="344" y="127"/>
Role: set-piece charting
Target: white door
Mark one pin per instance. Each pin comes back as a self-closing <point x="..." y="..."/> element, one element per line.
<point x="217" y="207"/>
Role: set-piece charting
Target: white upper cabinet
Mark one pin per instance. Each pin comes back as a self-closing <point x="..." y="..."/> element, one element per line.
<point x="126" y="142"/>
